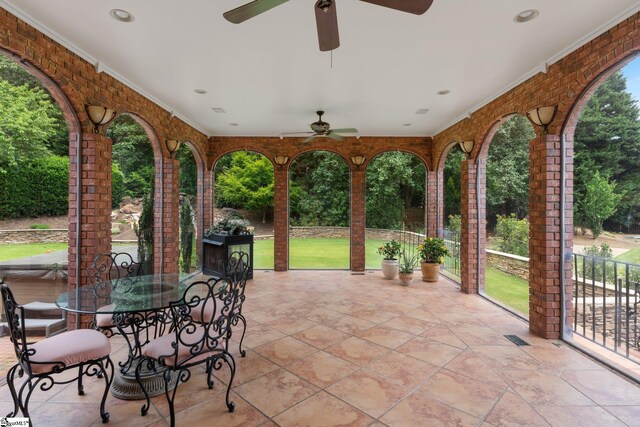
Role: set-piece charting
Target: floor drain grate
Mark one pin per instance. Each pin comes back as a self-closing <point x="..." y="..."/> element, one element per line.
<point x="516" y="340"/>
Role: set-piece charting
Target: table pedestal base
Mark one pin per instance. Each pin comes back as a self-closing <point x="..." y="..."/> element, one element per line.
<point x="126" y="387"/>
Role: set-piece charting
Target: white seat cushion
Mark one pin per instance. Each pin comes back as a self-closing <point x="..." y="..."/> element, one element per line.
<point x="69" y="348"/>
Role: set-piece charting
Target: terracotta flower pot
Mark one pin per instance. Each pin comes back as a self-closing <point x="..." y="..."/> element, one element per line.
<point x="405" y="278"/>
<point x="390" y="268"/>
<point x="430" y="271"/>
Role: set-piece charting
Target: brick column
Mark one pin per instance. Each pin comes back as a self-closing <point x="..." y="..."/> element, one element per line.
<point x="95" y="209"/>
<point x="281" y="219"/>
<point x="544" y="236"/>
<point x="433" y="203"/>
<point x="166" y="247"/>
<point x="358" y="218"/>
<point x="205" y="215"/>
<point x="469" y="231"/>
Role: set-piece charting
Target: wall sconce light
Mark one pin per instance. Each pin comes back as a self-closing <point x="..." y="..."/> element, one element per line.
<point x="172" y="146"/>
<point x="358" y="160"/>
<point x="467" y="147"/>
<point x="99" y="116"/>
<point x="542" y="116"/>
<point x="281" y="161"/>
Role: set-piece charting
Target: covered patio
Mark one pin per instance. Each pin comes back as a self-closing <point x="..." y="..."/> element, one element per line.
<point x="346" y="347"/>
<point x="340" y="349"/>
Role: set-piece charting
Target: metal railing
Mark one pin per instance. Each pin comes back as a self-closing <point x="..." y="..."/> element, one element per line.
<point x="606" y="299"/>
<point x="452" y="262"/>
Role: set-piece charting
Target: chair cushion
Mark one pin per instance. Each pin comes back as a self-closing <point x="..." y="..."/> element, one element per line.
<point x="162" y="348"/>
<point x="70" y="348"/>
<point x="105" y="320"/>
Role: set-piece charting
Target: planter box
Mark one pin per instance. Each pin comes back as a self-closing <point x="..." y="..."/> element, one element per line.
<point x="217" y="248"/>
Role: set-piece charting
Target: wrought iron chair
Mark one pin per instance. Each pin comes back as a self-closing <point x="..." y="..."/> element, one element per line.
<point x="192" y="342"/>
<point x="237" y="271"/>
<point x="83" y="349"/>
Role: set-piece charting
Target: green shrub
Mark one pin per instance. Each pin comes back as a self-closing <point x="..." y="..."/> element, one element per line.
<point x="39" y="226"/>
<point x="513" y="235"/>
<point x="455" y="223"/>
<point x="118" y="188"/>
<point x="37" y="187"/>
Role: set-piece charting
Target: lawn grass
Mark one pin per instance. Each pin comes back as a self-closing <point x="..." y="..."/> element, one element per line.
<point x="321" y="253"/>
<point x="21" y="250"/>
<point x="632" y="256"/>
<point x="509" y="290"/>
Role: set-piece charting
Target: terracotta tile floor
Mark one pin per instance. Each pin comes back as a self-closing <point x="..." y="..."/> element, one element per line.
<point x="335" y="349"/>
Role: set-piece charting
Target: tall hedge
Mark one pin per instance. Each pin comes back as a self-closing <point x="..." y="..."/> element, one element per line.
<point x="34" y="188"/>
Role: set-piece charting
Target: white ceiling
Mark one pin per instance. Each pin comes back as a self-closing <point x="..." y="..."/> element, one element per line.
<point x="270" y="77"/>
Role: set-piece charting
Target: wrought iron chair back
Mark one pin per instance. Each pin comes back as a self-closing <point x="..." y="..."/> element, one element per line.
<point x="237" y="271"/>
<point x="113" y="269"/>
<point x="17" y="332"/>
<point x="196" y="337"/>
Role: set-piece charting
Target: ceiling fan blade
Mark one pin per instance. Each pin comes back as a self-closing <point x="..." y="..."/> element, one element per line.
<point x="249" y="10"/>
<point x="312" y="137"/>
<point x="345" y="130"/>
<point x="297" y="133"/>
<point x="327" y="24"/>
<point x="335" y="136"/>
<point x="417" y="7"/>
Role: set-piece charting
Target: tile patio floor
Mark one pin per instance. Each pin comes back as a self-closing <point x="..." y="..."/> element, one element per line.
<point x="330" y="348"/>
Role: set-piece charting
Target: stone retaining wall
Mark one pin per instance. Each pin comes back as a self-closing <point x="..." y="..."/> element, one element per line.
<point x="508" y="263"/>
<point x="58" y="235"/>
<point x="344" y="233"/>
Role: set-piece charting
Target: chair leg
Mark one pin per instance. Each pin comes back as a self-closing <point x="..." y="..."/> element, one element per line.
<point x="11" y="375"/>
<point x="244" y="330"/>
<point x="183" y="376"/>
<point x="209" y="370"/>
<point x="108" y="378"/>
<point x="31" y="386"/>
<point x="232" y="365"/>
<point x="150" y="365"/>
<point x="80" y="386"/>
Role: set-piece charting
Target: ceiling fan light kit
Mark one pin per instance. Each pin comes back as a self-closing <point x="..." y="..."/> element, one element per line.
<point x="321" y="128"/>
<point x="326" y="16"/>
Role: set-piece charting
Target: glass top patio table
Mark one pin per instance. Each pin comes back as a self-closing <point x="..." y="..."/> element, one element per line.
<point x="125" y="295"/>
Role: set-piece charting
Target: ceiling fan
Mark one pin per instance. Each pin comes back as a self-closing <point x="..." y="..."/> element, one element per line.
<point x="326" y="18"/>
<point x="321" y="128"/>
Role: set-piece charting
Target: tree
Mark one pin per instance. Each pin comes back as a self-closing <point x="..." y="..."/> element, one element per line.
<point x="26" y="124"/>
<point x="133" y="154"/>
<point x="323" y="198"/>
<point x="247" y="183"/>
<point x="188" y="171"/>
<point x="598" y="203"/>
<point x="607" y="139"/>
<point x="452" y="181"/>
<point x="58" y="139"/>
<point x="395" y="181"/>
<point x="508" y="169"/>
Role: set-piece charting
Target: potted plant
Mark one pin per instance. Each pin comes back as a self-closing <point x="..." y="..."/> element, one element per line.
<point x="432" y="252"/>
<point x="407" y="264"/>
<point x="389" y="252"/>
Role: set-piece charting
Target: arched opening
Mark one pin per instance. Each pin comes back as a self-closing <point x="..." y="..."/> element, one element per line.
<point x="606" y="201"/>
<point x="507" y="211"/>
<point x="38" y="134"/>
<point x="189" y="208"/>
<point x="132" y="190"/>
<point x="451" y="220"/>
<point x="243" y="183"/>
<point x="319" y="210"/>
<point x="395" y="203"/>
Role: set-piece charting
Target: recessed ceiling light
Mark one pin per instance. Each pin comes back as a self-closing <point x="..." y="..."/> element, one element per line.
<point x="526" y="15"/>
<point x="444" y="92"/>
<point x="407" y="124"/>
<point x="200" y="91"/>
<point x="121" y="15"/>
<point x="233" y="124"/>
<point x="422" y="111"/>
<point x="219" y="110"/>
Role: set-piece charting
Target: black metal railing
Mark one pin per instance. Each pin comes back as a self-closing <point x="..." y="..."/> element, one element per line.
<point x="606" y="300"/>
<point x="452" y="262"/>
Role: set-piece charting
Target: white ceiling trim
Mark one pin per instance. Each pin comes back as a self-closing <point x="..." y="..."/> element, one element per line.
<point x="543" y="67"/>
<point x="99" y="65"/>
